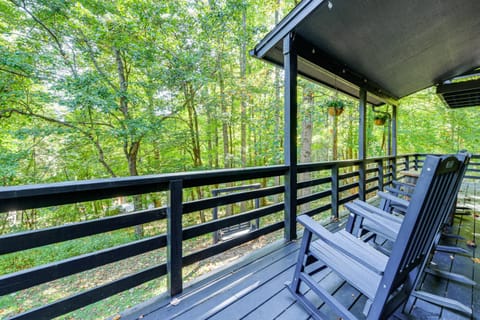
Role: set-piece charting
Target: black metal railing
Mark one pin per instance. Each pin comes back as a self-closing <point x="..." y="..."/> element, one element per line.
<point x="322" y="189"/>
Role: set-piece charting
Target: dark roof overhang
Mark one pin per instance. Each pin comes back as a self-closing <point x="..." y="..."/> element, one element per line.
<point x="391" y="48"/>
<point x="460" y="94"/>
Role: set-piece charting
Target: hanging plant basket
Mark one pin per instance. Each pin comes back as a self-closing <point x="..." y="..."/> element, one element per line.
<point x="380" y="119"/>
<point x="335" y="107"/>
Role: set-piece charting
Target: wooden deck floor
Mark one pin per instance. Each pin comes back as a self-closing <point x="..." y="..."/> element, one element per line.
<point x="255" y="289"/>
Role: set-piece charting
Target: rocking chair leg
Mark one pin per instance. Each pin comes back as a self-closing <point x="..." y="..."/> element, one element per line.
<point x="302" y="258"/>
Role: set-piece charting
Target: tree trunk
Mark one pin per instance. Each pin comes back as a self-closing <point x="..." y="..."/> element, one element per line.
<point x="334" y="138"/>
<point x="306" y="140"/>
<point x="131" y="148"/>
<point x="243" y="95"/>
<point x="224" y="114"/>
<point x="189" y="95"/>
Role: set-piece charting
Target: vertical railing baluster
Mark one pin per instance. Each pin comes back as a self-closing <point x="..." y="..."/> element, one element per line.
<point x="174" y="238"/>
<point x="362" y="178"/>
<point x="407" y="163"/>
<point x="415" y="163"/>
<point x="380" y="175"/>
<point x="393" y="168"/>
<point x="335" y="195"/>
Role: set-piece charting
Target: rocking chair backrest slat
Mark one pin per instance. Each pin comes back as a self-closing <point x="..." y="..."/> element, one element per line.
<point x="427" y="218"/>
<point x="437" y="208"/>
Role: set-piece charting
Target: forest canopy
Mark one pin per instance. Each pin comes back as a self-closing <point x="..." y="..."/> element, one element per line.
<point x="92" y="89"/>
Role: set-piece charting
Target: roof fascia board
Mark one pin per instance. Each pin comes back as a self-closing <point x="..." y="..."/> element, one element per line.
<point x="458" y="86"/>
<point x="377" y="102"/>
<point x="285" y="26"/>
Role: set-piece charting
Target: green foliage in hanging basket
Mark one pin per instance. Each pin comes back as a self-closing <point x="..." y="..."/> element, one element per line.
<point x="335" y="103"/>
<point x="380" y="118"/>
<point x="335" y="106"/>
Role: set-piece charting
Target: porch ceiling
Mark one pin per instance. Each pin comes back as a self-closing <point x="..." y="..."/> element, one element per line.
<point x="392" y="48"/>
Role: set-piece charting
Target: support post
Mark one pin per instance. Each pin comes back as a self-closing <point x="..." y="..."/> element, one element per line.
<point x="174" y="238"/>
<point x="394" y="130"/>
<point x="290" y="141"/>
<point x="407" y="163"/>
<point x="335" y="195"/>
<point x="394" y="140"/>
<point x="362" y="143"/>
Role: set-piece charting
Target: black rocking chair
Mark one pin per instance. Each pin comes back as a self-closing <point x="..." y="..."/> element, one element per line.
<point x="386" y="281"/>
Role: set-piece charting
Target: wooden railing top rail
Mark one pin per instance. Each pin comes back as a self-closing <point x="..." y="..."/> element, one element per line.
<point x="44" y="195"/>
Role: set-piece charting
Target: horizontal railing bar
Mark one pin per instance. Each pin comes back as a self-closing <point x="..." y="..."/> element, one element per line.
<point x="37" y="238"/>
<point x="93" y="295"/>
<point x="237" y="188"/>
<point x="327" y="165"/>
<point x="348" y="186"/>
<point x="315" y="167"/>
<point x="372" y="179"/>
<point x="44" y="195"/>
<point x="224" y="246"/>
<point x="56" y="270"/>
<point x="348" y="199"/>
<point x="215" y="225"/>
<point x="371" y="170"/>
<point x="372" y="189"/>
<point x="213" y="202"/>
<point x="348" y="175"/>
<point x="318" y="210"/>
<point x="313" y="197"/>
<point x="314" y="182"/>
<point x="199" y="178"/>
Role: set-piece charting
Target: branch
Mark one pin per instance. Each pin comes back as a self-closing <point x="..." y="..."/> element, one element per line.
<point x="101" y="155"/>
<point x="95" y="62"/>
<point x="50" y="32"/>
<point x="15" y="73"/>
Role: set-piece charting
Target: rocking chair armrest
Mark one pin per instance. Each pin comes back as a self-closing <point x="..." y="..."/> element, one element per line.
<point x="399" y="184"/>
<point x="378" y="211"/>
<point x="394" y="199"/>
<point x="346" y="244"/>
<point x="396" y="192"/>
<point x="316" y="228"/>
<point x="379" y="224"/>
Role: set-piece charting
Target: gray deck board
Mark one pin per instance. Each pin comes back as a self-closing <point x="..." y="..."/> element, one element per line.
<point x="256" y="290"/>
<point x="217" y="294"/>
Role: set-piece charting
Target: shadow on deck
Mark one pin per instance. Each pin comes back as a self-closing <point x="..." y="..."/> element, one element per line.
<point x="255" y="288"/>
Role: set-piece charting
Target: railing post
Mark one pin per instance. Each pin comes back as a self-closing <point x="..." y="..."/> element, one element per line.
<point x="174" y="238"/>
<point x="393" y="167"/>
<point x="380" y="175"/>
<point x="362" y="142"/>
<point x="335" y="196"/>
<point x="362" y="177"/>
<point x="407" y="163"/>
<point x="415" y="162"/>
<point x="290" y="142"/>
<point x="394" y="130"/>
